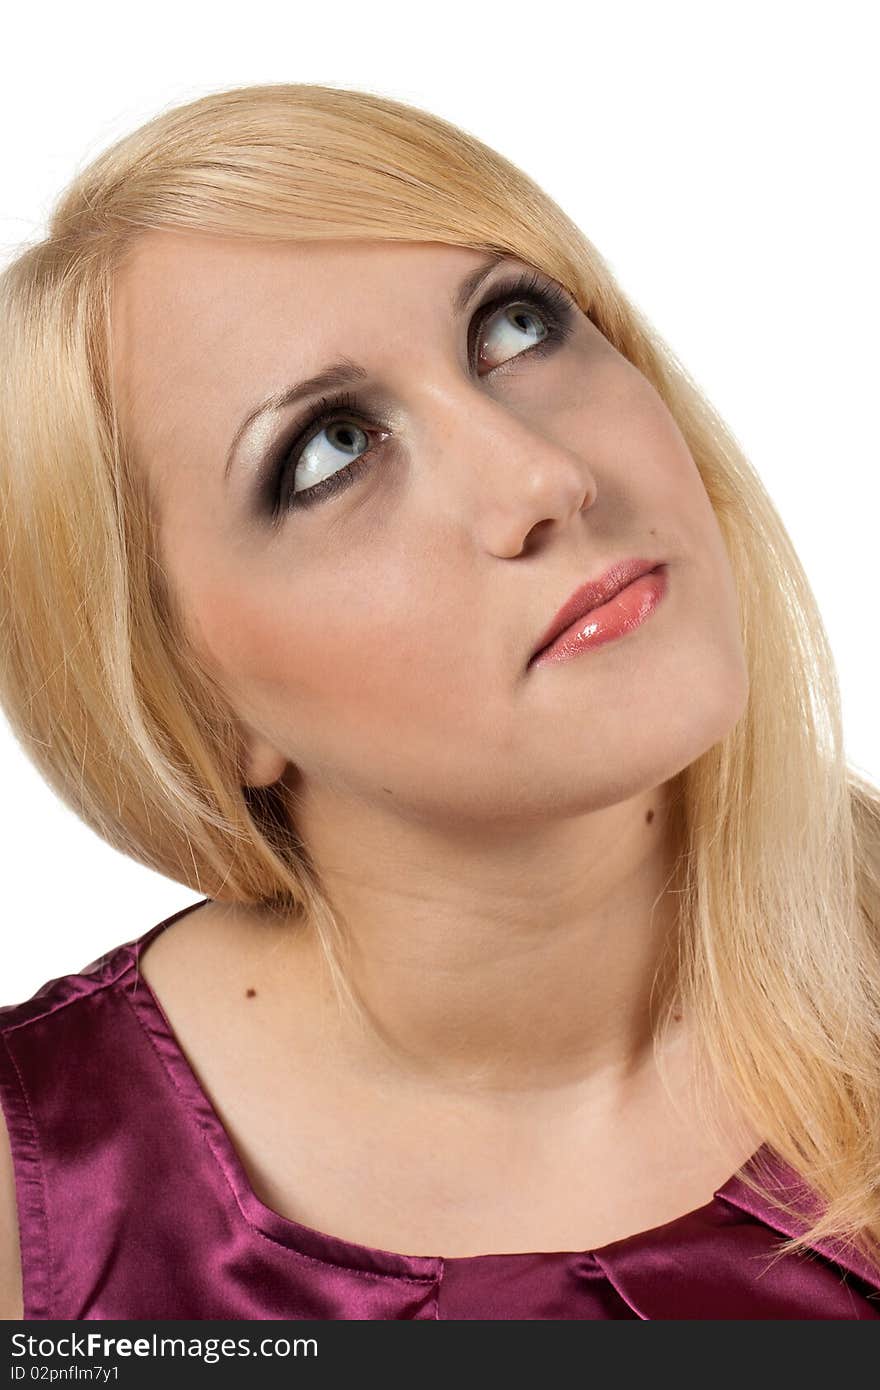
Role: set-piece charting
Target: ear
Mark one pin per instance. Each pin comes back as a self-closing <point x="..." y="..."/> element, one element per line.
<point x="262" y="763"/>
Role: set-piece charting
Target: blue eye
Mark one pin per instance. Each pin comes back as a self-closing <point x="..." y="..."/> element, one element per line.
<point x="313" y="466"/>
<point x="337" y="436"/>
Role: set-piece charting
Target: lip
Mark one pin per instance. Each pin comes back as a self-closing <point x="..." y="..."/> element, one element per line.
<point x="609" y="619"/>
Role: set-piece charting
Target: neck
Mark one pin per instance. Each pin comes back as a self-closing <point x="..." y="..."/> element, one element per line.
<point x="520" y="965"/>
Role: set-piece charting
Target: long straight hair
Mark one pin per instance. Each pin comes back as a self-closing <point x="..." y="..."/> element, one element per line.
<point x="776" y="961"/>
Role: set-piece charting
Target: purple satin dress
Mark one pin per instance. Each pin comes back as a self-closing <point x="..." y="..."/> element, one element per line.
<point x="133" y="1203"/>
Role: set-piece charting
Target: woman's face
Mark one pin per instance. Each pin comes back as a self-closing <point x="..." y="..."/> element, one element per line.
<point x="378" y="639"/>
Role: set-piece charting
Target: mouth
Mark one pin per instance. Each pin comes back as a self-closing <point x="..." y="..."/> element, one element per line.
<point x="591" y="595"/>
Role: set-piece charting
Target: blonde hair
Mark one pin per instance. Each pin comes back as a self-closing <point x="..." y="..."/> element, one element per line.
<point x="776" y="961"/>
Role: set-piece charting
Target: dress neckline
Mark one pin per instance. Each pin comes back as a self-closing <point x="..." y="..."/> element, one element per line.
<point x="323" y="1246"/>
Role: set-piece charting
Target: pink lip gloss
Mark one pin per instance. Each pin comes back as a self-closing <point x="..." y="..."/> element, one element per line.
<point x="621" y="614"/>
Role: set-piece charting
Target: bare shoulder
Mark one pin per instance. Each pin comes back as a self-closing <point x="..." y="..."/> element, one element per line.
<point x="232" y="955"/>
<point x="222" y="973"/>
<point x="213" y="945"/>
<point x="11" y="1304"/>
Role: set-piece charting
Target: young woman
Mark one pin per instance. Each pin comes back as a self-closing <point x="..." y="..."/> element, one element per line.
<point x="371" y="566"/>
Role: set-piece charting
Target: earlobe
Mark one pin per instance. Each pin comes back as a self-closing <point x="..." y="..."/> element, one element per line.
<point x="262" y="764"/>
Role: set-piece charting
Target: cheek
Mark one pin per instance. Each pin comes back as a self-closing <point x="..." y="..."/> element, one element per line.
<point x="360" y="655"/>
<point x="675" y="493"/>
<point x="672" y="491"/>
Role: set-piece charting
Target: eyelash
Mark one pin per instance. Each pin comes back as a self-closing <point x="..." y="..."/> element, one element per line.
<point x="555" y="307"/>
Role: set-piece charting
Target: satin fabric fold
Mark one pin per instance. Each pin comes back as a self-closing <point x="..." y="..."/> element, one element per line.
<point x="133" y="1203"/>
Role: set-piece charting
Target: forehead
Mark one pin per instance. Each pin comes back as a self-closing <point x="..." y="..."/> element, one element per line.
<point x="198" y="285"/>
<point x="227" y="319"/>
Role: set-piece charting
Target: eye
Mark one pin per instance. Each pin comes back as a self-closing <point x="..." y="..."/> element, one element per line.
<point x="516" y="322"/>
<point x="337" y="444"/>
<point x="331" y="448"/>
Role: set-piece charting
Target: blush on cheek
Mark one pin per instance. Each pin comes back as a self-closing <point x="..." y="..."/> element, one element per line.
<point x="272" y="656"/>
<point x="232" y="637"/>
<point x="348" y="663"/>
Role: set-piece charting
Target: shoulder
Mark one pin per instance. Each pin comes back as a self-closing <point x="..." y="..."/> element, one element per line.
<point x="77" y="1018"/>
<point x="196" y="968"/>
<point x="32" y="1034"/>
<point x="11" y="1305"/>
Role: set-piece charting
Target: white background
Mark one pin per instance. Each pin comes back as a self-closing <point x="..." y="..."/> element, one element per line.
<point x="722" y="158"/>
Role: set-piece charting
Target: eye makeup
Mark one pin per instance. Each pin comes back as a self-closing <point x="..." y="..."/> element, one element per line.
<point x="276" y="496"/>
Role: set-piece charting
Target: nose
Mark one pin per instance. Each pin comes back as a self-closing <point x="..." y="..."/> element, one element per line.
<point x="505" y="476"/>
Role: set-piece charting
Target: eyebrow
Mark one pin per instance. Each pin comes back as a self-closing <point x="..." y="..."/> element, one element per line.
<point x="344" y="372"/>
